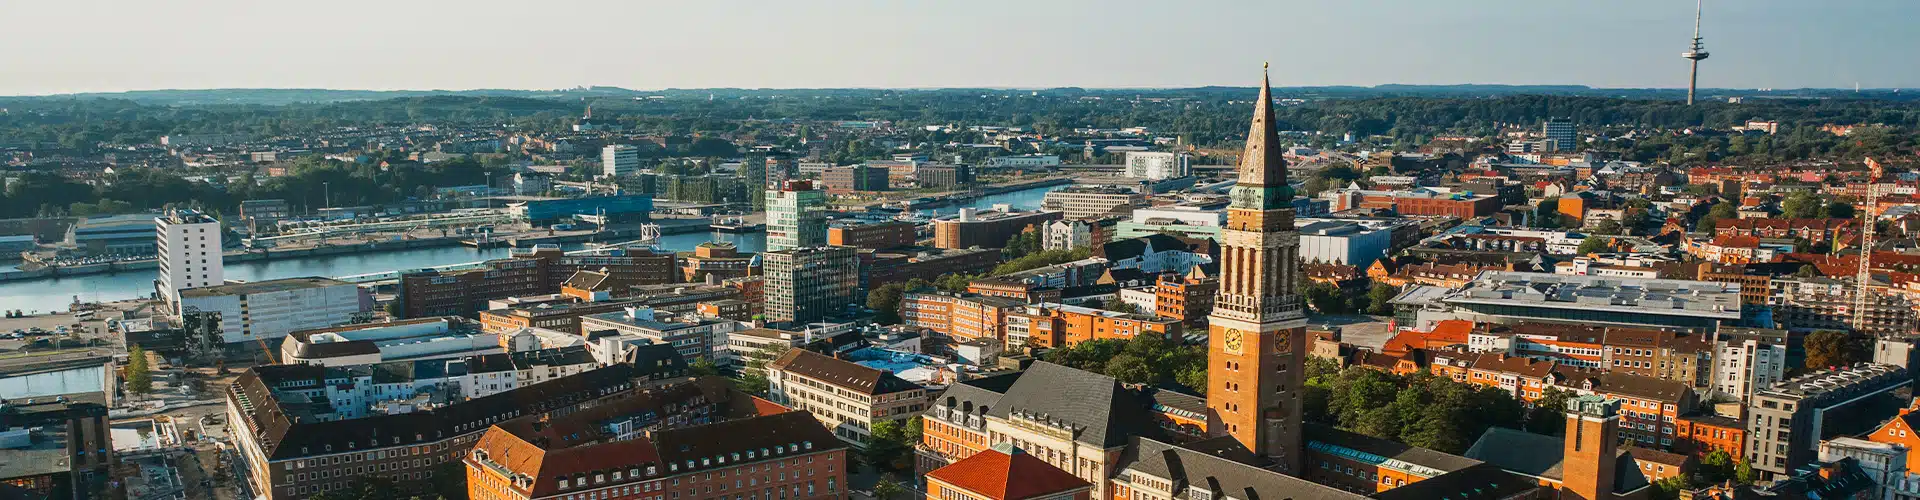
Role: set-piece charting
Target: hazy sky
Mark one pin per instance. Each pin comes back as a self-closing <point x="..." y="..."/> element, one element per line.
<point x="60" y="46"/>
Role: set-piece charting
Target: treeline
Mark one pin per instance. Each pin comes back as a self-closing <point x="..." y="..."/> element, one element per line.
<point x="307" y="185"/>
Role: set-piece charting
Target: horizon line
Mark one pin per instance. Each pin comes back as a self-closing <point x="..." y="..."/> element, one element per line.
<point x="1003" y="88"/>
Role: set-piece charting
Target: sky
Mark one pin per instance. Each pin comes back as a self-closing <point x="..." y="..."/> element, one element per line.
<point x="66" y="46"/>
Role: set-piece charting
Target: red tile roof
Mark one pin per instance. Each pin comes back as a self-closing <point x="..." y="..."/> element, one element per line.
<point x="999" y="475"/>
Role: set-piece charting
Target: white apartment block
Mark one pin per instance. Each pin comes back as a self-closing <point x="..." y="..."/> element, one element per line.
<point x="269" y="310"/>
<point x="619" y="160"/>
<point x="189" y="252"/>
<point x="1745" y="363"/>
<point x="1158" y="165"/>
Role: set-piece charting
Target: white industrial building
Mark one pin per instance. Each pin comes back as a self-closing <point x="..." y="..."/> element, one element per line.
<point x="269" y="310"/>
<point x="619" y="160"/>
<point x="1343" y="242"/>
<point x="1158" y="165"/>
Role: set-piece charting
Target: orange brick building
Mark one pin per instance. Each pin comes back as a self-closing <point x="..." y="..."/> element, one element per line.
<point x="1699" y="435"/>
<point x="1186" y="299"/>
<point x="878" y="236"/>
<point x="1061" y="325"/>
<point x="1016" y="290"/>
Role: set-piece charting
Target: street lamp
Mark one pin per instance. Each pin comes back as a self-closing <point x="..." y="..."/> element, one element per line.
<point x="326" y="195"/>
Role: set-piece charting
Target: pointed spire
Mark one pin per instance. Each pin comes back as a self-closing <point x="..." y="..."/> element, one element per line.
<point x="1261" y="163"/>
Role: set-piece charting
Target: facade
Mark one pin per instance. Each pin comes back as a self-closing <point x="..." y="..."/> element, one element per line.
<point x="796" y="216"/>
<point x="57" y="447"/>
<point x="848" y="398"/>
<point x="619" y="160"/>
<point x="1257" y="338"/>
<point x="943" y="176"/>
<point x="989" y="229"/>
<point x="1025" y="161"/>
<point x="1748" y="360"/>
<point x="1559" y="135"/>
<point x="612" y="333"/>
<point x="667" y="440"/>
<point x="1158" y="165"/>
<point x="263" y="214"/>
<point x="1347" y="243"/>
<point x="1184" y="220"/>
<point x="876" y="235"/>
<point x="719" y="260"/>
<point x="1059" y="325"/>
<point x="537" y="271"/>
<point x="295" y="450"/>
<point x="1187" y="299"/>
<point x="1788" y="420"/>
<point x="810" y="284"/>
<point x="189" y="252"/>
<point x="961" y="317"/>
<point x="854" y="178"/>
<point x="269" y="310"/>
<point x="1068" y="234"/>
<point x="1088" y="202"/>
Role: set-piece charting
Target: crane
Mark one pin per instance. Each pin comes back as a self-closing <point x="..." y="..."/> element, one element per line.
<point x="1865" y="275"/>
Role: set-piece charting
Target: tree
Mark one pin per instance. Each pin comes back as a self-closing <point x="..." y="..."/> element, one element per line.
<point x="887" y="488"/>
<point x="753" y="379"/>
<point x="1609" y="227"/>
<point x="1593" y="244"/>
<point x="1669" y="488"/>
<point x="1840" y="210"/>
<point x="704" y="368"/>
<point x="1123" y="307"/>
<point x="1717" y="467"/>
<point x="885" y="303"/>
<point x="1326" y="298"/>
<point x="139" y="376"/>
<point x="1131" y="369"/>
<point x="1549" y="413"/>
<point x="1807" y="271"/>
<point x="1547" y="214"/>
<point x="888" y="448"/>
<point x="1379" y="298"/>
<point x="1743" y="472"/>
<point x="1832" y="348"/>
<point x="1718" y="211"/>
<point x="1802" y="205"/>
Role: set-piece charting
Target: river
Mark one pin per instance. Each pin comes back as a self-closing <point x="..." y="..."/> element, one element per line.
<point x="56" y="294"/>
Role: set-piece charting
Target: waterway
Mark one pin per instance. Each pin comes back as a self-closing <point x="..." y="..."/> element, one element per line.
<point x="57" y="294"/>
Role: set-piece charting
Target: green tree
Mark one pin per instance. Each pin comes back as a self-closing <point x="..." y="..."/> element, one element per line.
<point x="139" y="375"/>
<point x="1717" y="212"/>
<point x="1593" y="244"/>
<point x="1840" y="210"/>
<point x="887" y="488"/>
<point x="1379" y="298"/>
<point x="888" y="447"/>
<point x="1802" y="205"/>
<point x="1743" y="472"/>
<point x="1609" y="227"/>
<point x="704" y="368"/>
<point x="1669" y="488"/>
<point x="1130" y="369"/>
<point x="1326" y="298"/>
<point x="1807" y="271"/>
<point x="1832" y="348"/>
<point x="885" y="303"/>
<point x="753" y="379"/>
<point x="1549" y="413"/>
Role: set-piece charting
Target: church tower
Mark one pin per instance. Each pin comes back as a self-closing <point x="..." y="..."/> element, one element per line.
<point x="1257" y="334"/>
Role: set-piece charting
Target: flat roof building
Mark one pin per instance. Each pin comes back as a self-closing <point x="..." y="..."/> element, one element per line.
<point x="269" y="310"/>
<point x="1507" y="297"/>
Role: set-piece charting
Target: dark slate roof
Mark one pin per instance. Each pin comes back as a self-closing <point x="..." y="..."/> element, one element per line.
<point x="1211" y="470"/>
<point x="1386" y="448"/>
<point x="1478" y="482"/>
<point x="1135" y="247"/>
<point x="841" y="373"/>
<point x="1104" y="413"/>
<point x="783" y="431"/>
<point x="1542" y="456"/>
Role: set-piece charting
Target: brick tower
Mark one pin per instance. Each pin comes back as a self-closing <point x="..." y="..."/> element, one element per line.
<point x="1257" y="334"/>
<point x="1592" y="448"/>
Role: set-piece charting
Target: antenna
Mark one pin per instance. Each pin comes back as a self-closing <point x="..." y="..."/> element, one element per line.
<point x="1697" y="53"/>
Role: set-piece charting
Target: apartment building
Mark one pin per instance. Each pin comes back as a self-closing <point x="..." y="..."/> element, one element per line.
<point x="1093" y="202"/>
<point x="986" y="229"/>
<point x="1787" y="420"/>
<point x="1059" y="325"/>
<point x="961" y="317"/>
<point x="1748" y="360"/>
<point x="188" y="251"/>
<point x="809" y="284"/>
<point x="294" y="449"/>
<point x="847" y="397"/>
<point x="874" y="235"/>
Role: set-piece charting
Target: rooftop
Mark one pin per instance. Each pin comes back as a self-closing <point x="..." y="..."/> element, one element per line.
<point x="1596" y="293"/>
<point x="268" y="286"/>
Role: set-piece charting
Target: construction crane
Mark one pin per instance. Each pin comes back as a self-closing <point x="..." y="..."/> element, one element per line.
<point x="1865" y="275"/>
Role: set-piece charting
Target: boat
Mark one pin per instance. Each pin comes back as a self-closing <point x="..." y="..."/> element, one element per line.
<point x="736" y="224"/>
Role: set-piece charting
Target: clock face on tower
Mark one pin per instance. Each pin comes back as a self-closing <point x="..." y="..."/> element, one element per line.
<point x="1232" y="341"/>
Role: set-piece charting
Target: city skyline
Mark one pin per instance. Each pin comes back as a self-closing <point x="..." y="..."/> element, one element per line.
<point x="496" y="44"/>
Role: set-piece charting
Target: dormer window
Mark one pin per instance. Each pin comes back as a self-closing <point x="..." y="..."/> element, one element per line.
<point x="807" y="444"/>
<point x="563" y="483"/>
<point x="1198" y="493"/>
<point x="650" y="470"/>
<point x="616" y="475"/>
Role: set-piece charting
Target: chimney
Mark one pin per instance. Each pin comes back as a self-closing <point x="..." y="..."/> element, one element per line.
<point x="1592" y="445"/>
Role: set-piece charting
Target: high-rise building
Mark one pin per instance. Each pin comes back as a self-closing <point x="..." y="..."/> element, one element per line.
<point x="796" y="216"/>
<point x="809" y="284"/>
<point x="619" y="160"/>
<point x="1788" y="420"/>
<point x="1559" y="134"/>
<point x="271" y="309"/>
<point x="189" y="252"/>
<point x="1257" y="344"/>
<point x="1158" y="165"/>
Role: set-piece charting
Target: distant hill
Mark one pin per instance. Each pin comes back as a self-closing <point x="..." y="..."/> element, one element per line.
<point x="276" y="97"/>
